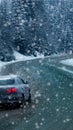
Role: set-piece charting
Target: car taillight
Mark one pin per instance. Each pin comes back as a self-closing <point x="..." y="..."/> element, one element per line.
<point x="8" y="90"/>
<point x="11" y="90"/>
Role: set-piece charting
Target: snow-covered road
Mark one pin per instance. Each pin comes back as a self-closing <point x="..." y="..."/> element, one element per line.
<point x="52" y="99"/>
<point x="20" y="58"/>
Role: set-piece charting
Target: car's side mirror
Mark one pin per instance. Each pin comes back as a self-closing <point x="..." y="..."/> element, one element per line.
<point x="26" y="82"/>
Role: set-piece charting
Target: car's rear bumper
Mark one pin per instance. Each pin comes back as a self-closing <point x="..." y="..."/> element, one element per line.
<point x="13" y="100"/>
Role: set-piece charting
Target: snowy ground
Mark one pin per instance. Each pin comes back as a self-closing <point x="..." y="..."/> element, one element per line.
<point x="67" y="62"/>
<point x="67" y="65"/>
<point x="20" y="57"/>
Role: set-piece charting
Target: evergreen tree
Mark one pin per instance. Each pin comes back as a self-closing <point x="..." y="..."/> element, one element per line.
<point x="29" y="24"/>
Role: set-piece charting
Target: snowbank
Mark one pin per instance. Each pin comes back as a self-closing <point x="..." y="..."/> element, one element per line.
<point x="67" y="62"/>
<point x="20" y="57"/>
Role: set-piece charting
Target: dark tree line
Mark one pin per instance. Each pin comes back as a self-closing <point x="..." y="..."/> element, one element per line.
<point x="35" y="25"/>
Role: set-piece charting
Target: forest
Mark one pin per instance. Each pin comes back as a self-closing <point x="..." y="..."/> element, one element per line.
<point x="30" y="26"/>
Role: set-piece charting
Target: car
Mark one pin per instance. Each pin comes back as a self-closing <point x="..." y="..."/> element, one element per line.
<point x="14" y="90"/>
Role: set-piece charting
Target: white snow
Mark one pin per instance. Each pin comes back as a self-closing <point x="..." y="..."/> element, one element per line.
<point x="67" y="62"/>
<point x="4" y="77"/>
<point x="20" y="57"/>
<point x="39" y="54"/>
<point x="2" y="64"/>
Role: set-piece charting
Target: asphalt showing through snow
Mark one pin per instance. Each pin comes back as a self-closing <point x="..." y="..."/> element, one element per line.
<point x="52" y="99"/>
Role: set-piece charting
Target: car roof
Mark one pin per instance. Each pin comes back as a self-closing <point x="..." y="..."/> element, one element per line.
<point x="5" y="77"/>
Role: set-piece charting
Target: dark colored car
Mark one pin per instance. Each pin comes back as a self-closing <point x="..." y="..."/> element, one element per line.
<point x="13" y="90"/>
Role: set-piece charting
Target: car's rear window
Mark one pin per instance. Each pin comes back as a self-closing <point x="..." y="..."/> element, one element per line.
<point x="7" y="82"/>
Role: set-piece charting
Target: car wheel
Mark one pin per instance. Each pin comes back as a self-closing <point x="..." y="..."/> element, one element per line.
<point x="23" y="101"/>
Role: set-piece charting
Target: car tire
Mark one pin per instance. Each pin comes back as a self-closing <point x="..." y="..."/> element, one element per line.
<point x="23" y="101"/>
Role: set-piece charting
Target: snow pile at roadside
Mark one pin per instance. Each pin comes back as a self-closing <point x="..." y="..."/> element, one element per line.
<point x="67" y="62"/>
<point x="20" y="57"/>
<point x="39" y="54"/>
